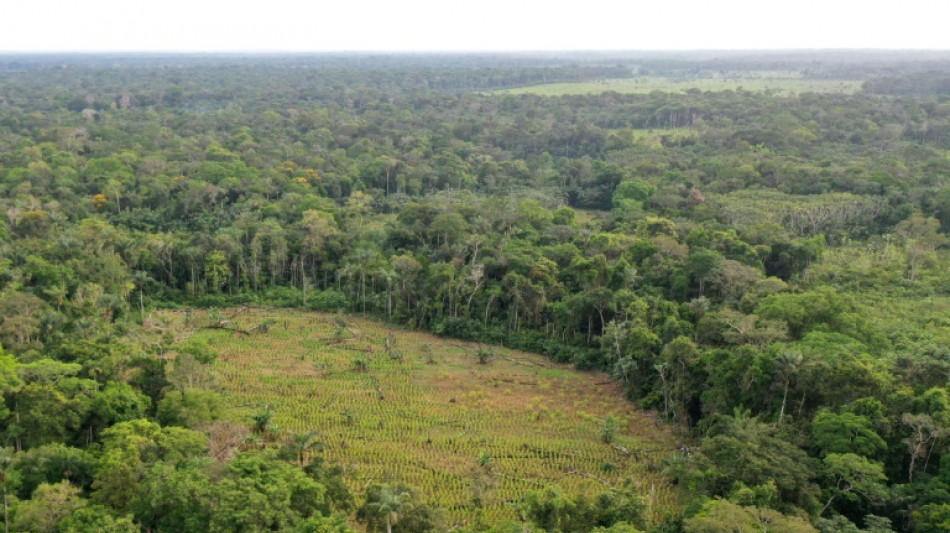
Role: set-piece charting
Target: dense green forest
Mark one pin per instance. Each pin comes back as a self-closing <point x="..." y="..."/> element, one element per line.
<point x="766" y="272"/>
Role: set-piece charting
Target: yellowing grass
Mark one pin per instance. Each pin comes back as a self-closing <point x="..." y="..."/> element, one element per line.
<point x="425" y="423"/>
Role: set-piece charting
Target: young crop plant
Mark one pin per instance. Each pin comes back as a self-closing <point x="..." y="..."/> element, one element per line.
<point x="608" y="429"/>
<point x="485" y="355"/>
<point x="360" y="365"/>
<point x="426" y="350"/>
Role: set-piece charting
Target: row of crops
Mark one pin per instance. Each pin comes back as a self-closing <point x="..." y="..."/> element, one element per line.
<point x="396" y="406"/>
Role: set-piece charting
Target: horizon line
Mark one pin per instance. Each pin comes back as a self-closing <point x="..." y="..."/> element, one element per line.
<point x="463" y="52"/>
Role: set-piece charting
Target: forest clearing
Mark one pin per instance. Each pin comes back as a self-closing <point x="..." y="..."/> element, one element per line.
<point x="395" y="406"/>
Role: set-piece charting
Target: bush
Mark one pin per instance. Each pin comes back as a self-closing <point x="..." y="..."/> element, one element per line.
<point x="327" y="300"/>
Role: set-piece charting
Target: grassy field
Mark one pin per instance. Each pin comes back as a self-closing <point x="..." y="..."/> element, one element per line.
<point x="782" y="83"/>
<point x="424" y="409"/>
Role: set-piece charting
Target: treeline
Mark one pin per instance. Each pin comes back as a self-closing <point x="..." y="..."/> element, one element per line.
<point x="923" y="84"/>
<point x="743" y="263"/>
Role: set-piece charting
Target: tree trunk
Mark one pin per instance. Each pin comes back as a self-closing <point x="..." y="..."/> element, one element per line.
<point x="933" y="444"/>
<point x="666" y="395"/>
<point x="913" y="461"/>
<point x="488" y="308"/>
<point x="6" y="506"/>
<point x="389" y="299"/>
<point x="913" y="264"/>
<point x="781" y="413"/>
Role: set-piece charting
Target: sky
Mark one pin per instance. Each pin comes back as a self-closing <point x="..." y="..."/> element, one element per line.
<point x="485" y="25"/>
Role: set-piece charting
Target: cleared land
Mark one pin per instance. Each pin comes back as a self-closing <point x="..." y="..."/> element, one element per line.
<point x="423" y="410"/>
<point x="775" y="82"/>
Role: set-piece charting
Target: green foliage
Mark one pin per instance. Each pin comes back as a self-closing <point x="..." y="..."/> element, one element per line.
<point x="262" y="492"/>
<point x="932" y="518"/>
<point x="47" y="414"/>
<point x="846" y="433"/>
<point x="97" y="519"/>
<point x="129" y="446"/>
<point x="485" y="355"/>
<point x="48" y="507"/>
<point x="720" y="516"/>
<point x="198" y="349"/>
<point x="552" y="511"/>
<point x="9" y="373"/>
<point x="778" y="251"/>
<point x="53" y="463"/>
<point x="742" y="448"/>
<point x="763" y="496"/>
<point x="608" y="429"/>
<point x="117" y="402"/>
<point x="337" y="493"/>
<point x="173" y="499"/>
<point x="824" y="307"/>
<point x="190" y="408"/>
<point x="328" y="300"/>
<point x="854" y="477"/>
<point x="322" y="524"/>
<point x="395" y="509"/>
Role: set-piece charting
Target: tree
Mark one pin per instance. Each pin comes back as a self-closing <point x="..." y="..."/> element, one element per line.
<point x="299" y="445"/>
<point x="924" y="433"/>
<point x="554" y="512"/>
<point x="118" y="402"/>
<point x="932" y="518"/>
<point x="20" y="319"/>
<point x="217" y="272"/>
<point x="171" y="499"/>
<point x="395" y="508"/>
<point x="678" y="361"/>
<point x="97" y="519"/>
<point x="10" y="381"/>
<point x="789" y="363"/>
<point x="721" y="516"/>
<point x="851" y="476"/>
<point x="920" y="239"/>
<point x="702" y="264"/>
<point x="742" y="448"/>
<point x="384" y="166"/>
<point x="637" y="190"/>
<point x="141" y="280"/>
<point x="261" y="492"/>
<point x="317" y="230"/>
<point x="51" y="413"/>
<point x="52" y="463"/>
<point x="840" y="524"/>
<point x="190" y="408"/>
<point x="845" y="433"/>
<point x="7" y="483"/>
<point x="49" y="505"/>
<point x="384" y="505"/>
<point x="738" y="328"/>
<point x="129" y="446"/>
<point x="323" y="524"/>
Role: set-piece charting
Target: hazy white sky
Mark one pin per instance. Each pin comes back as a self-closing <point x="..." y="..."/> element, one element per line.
<point x="420" y="25"/>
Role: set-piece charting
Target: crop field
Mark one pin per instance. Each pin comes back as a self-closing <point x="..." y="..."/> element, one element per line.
<point x="781" y="83"/>
<point x="398" y="406"/>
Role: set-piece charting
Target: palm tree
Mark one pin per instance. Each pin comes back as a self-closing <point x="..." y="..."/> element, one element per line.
<point x="385" y="504"/>
<point x="262" y="421"/>
<point x="302" y="443"/>
<point x="141" y="279"/>
<point x="789" y="363"/>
